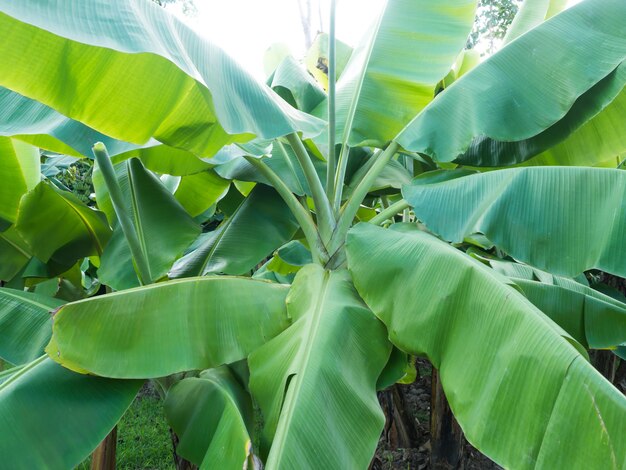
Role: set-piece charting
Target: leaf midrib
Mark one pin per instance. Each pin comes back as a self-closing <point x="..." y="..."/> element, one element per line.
<point x="47" y="308"/>
<point x="288" y="412"/>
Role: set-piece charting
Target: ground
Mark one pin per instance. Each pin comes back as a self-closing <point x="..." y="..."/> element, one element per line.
<point x="418" y="457"/>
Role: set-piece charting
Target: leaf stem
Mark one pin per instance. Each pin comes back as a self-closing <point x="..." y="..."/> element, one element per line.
<point x="351" y="207"/>
<point x="332" y="77"/>
<point x="325" y="217"/>
<point x="117" y="199"/>
<point x="301" y="214"/>
<point x="389" y="212"/>
<point x="342" y="163"/>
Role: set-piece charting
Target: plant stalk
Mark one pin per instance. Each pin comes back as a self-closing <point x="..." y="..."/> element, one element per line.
<point x="342" y="163"/>
<point x="103" y="458"/>
<point x="340" y="176"/>
<point x="389" y="212"/>
<point x="302" y="215"/>
<point x="325" y="217"/>
<point x="332" y="77"/>
<point x="126" y="223"/>
<point x="354" y="202"/>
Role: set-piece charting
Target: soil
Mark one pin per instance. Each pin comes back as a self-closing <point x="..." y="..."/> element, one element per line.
<point x="417" y="395"/>
<point x="389" y="457"/>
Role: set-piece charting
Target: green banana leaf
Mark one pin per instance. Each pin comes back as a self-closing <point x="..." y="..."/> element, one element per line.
<point x="41" y="126"/>
<point x="541" y="216"/>
<point x="532" y="13"/>
<point x="163" y="227"/>
<point x="25" y="325"/>
<point x="169" y="82"/>
<point x="14" y="253"/>
<point x="116" y="268"/>
<point x="595" y="320"/>
<point x="516" y="382"/>
<point x="519" y="103"/>
<point x="196" y="193"/>
<point x="212" y="416"/>
<point x="164" y="159"/>
<point x="599" y="141"/>
<point x="325" y="364"/>
<point x="283" y="162"/>
<point x="290" y="258"/>
<point x="53" y="418"/>
<point x="260" y="224"/>
<point x="393" y="74"/>
<point x="19" y="172"/>
<point x="168" y="327"/>
<point x="85" y="231"/>
<point x="593" y="113"/>
<point x="296" y="86"/>
<point x="391" y="178"/>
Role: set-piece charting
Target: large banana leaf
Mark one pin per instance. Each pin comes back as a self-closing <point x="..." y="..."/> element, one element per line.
<point x="163" y="227"/>
<point x="523" y="394"/>
<point x="25" y="324"/>
<point x="592" y="130"/>
<point x="601" y="140"/>
<point x="259" y="225"/>
<point x="168" y="327"/>
<point x="42" y="126"/>
<point x="46" y="209"/>
<point x="316" y="381"/>
<point x="532" y="13"/>
<point x="520" y="101"/>
<point x="19" y="173"/>
<point x="132" y="71"/>
<point x="594" y="319"/>
<point x="392" y="75"/>
<point x="539" y="215"/>
<point x="212" y="416"/>
<point x="53" y="418"/>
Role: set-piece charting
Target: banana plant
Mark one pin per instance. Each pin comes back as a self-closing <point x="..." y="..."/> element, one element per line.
<point x="270" y="254"/>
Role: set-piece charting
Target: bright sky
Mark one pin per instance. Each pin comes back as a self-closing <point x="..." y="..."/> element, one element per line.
<point x="247" y="28"/>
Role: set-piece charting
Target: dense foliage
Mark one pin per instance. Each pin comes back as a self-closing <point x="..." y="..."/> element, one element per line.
<point x="271" y="255"/>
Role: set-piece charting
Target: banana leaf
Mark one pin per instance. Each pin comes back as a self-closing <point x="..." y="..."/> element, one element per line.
<point x="59" y="416"/>
<point x="516" y="382"/>
<point x="137" y="72"/>
<point x="168" y="327"/>
<point x="325" y="364"/>
<point x="541" y="216"/>
<point x="525" y="88"/>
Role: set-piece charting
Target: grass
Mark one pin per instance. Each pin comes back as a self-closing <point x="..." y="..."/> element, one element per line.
<point x="143" y="438"/>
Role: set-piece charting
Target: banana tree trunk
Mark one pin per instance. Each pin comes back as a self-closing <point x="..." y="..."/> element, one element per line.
<point x="103" y="458"/>
<point x="446" y="436"/>
<point x="606" y="363"/>
<point x="399" y="431"/>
